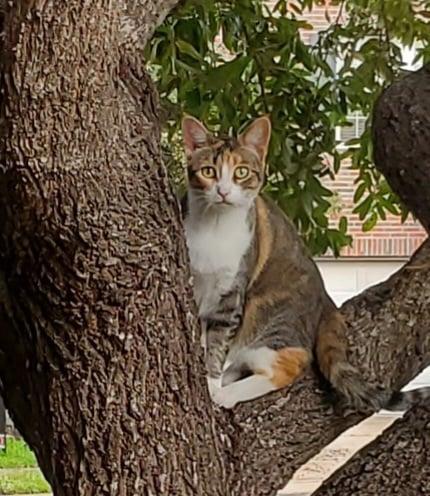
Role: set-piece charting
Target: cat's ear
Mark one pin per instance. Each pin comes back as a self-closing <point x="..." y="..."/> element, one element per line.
<point x="257" y="136"/>
<point x="194" y="133"/>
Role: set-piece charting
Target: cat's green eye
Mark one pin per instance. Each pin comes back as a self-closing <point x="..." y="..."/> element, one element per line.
<point x="241" y="172"/>
<point x="208" y="172"/>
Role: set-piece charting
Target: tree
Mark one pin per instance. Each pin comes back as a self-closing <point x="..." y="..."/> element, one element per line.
<point x="99" y="356"/>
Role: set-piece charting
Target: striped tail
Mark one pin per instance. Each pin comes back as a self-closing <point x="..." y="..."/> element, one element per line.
<point x="403" y="400"/>
<point x="331" y="352"/>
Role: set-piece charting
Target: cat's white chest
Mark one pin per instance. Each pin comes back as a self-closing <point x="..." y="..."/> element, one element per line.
<point x="216" y="247"/>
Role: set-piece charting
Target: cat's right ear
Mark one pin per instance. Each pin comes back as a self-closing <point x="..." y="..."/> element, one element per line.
<point x="194" y="133"/>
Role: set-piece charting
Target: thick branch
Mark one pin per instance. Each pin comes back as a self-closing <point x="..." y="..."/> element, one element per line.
<point x="401" y="140"/>
<point x="97" y="330"/>
<point x="397" y="462"/>
<point x="140" y="19"/>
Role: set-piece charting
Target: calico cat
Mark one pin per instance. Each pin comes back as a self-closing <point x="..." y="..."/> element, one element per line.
<point x="261" y="300"/>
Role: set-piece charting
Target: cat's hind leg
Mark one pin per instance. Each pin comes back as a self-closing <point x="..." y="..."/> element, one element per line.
<point x="258" y="371"/>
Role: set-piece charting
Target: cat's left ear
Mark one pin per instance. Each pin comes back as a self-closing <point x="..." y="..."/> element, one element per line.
<point x="257" y="136"/>
<point x="194" y="133"/>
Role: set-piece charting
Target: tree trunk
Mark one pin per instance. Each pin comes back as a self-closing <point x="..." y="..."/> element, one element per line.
<point x="99" y="356"/>
<point x="98" y="336"/>
<point x="397" y="462"/>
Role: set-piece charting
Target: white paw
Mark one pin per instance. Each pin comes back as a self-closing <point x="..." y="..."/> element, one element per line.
<point x="214" y="383"/>
<point x="222" y="397"/>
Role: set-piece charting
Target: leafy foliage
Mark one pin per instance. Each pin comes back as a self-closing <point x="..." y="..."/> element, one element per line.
<point x="226" y="62"/>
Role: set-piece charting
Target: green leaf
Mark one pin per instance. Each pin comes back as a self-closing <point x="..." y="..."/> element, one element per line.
<point x="370" y="223"/>
<point x="364" y="207"/>
<point x="343" y="225"/>
<point x="188" y="49"/>
<point x="359" y="192"/>
<point x="218" y="77"/>
<point x="390" y="206"/>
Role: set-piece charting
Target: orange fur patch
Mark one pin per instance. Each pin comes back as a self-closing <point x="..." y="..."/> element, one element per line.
<point x="331" y="344"/>
<point x="264" y="237"/>
<point x="289" y="365"/>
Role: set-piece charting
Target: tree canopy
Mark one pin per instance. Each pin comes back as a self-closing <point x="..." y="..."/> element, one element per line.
<point x="226" y="62"/>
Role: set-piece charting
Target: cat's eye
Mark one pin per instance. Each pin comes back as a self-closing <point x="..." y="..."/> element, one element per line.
<point x="208" y="172"/>
<point x="241" y="172"/>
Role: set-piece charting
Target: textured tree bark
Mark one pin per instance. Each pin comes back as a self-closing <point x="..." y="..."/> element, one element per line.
<point x="99" y="354"/>
<point x="99" y="360"/>
<point x="400" y="135"/>
<point x="395" y="463"/>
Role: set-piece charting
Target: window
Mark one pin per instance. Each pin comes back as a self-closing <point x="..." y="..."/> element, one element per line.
<point x="356" y="128"/>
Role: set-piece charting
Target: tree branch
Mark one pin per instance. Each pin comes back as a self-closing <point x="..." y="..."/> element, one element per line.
<point x="401" y="136"/>
<point x="394" y="463"/>
<point x="141" y="18"/>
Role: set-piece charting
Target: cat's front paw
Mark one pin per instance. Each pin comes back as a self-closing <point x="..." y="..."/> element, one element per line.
<point x="221" y="397"/>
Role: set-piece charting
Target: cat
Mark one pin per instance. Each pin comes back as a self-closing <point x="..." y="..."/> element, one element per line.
<point x="260" y="297"/>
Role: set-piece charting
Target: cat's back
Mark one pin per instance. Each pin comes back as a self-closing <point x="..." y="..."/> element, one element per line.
<point x="277" y="233"/>
<point x="283" y="259"/>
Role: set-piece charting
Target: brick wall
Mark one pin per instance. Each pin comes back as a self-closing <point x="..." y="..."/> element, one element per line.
<point x="389" y="238"/>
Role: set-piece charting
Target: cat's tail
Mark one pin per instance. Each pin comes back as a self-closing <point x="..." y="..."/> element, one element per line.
<point x="331" y="352"/>
<point x="403" y="400"/>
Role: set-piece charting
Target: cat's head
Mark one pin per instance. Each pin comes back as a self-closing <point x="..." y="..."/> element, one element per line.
<point x="226" y="172"/>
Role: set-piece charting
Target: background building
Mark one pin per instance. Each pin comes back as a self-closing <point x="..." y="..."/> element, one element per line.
<point x="374" y="255"/>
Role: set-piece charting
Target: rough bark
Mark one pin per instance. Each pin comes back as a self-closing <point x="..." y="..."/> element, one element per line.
<point x="397" y="462"/>
<point x="97" y="335"/>
<point x="99" y="354"/>
<point x="401" y="140"/>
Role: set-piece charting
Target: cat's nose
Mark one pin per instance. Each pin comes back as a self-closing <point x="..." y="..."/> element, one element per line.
<point x="222" y="192"/>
